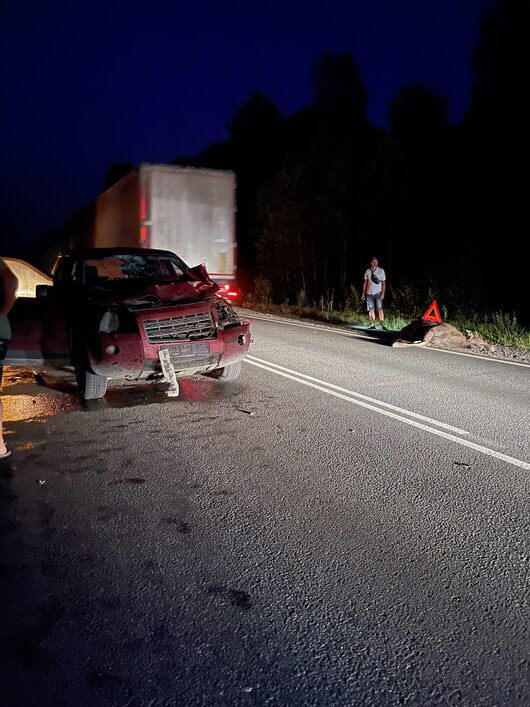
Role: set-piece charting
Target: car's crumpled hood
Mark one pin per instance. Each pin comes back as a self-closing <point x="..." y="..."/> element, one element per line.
<point x="137" y="296"/>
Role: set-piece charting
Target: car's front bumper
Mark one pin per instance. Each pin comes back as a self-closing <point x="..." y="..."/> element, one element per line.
<point x="129" y="355"/>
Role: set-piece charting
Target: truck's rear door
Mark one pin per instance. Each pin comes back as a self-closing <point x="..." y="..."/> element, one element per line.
<point x="192" y="213"/>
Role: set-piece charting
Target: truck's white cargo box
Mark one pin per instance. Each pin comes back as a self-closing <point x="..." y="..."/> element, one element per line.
<point x="185" y="210"/>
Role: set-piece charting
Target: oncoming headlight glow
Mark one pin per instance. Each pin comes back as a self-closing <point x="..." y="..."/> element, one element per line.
<point x="229" y="291"/>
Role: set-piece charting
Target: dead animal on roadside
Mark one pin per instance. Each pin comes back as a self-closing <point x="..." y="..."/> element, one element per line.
<point x="421" y="333"/>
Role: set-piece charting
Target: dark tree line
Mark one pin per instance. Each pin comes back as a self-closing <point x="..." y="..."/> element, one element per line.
<point x="444" y="207"/>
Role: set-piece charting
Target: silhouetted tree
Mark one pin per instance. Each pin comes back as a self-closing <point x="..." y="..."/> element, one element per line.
<point x="499" y="63"/>
<point x="417" y="113"/>
<point x="313" y="207"/>
<point x="338" y="85"/>
<point x="418" y="122"/>
<point x="498" y="153"/>
<point x="257" y="120"/>
<point x="385" y="192"/>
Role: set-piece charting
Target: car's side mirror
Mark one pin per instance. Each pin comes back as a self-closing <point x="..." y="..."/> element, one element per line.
<point x="43" y="290"/>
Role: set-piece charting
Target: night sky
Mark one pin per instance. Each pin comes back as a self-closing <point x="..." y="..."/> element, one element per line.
<point x="85" y="84"/>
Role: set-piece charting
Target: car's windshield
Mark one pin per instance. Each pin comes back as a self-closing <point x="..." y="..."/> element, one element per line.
<point x="131" y="267"/>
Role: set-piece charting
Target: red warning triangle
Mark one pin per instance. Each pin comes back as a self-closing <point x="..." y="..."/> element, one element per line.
<point x="433" y="313"/>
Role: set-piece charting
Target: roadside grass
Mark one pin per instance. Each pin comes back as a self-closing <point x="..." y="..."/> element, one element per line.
<point x="331" y="316"/>
<point x="498" y="328"/>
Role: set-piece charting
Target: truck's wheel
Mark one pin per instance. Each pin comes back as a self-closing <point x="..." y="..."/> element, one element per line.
<point x="228" y="373"/>
<point x="90" y="385"/>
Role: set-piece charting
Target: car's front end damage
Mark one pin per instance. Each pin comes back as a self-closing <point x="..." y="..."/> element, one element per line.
<point x="200" y="331"/>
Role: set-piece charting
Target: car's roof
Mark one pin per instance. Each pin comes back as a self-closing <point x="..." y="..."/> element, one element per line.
<point x="106" y="252"/>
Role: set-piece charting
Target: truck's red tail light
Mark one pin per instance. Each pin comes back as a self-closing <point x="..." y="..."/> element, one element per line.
<point x="144" y="211"/>
<point x="228" y="291"/>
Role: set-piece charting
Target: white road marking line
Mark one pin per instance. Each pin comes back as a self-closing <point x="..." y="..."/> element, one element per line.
<point x="374" y="401"/>
<point x="439" y="433"/>
<point x="475" y="356"/>
<point x="329" y="329"/>
<point x="346" y="332"/>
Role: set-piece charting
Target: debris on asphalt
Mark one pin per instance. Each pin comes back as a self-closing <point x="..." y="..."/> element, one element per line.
<point x="464" y="464"/>
<point x="247" y="412"/>
<point x="41" y="482"/>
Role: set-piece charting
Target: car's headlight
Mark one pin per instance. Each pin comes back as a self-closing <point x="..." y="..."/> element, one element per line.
<point x="109" y="322"/>
<point x="227" y="314"/>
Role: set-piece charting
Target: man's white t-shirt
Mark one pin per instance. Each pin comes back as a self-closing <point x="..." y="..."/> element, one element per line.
<point x="372" y="288"/>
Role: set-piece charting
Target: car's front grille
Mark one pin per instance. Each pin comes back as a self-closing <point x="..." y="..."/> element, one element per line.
<point x="190" y="327"/>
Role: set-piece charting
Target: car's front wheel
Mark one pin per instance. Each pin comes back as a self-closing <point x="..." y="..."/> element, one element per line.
<point x="228" y="373"/>
<point x="90" y="385"/>
<point x="93" y="387"/>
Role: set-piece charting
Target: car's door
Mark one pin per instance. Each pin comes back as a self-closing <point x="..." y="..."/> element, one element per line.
<point x="39" y="332"/>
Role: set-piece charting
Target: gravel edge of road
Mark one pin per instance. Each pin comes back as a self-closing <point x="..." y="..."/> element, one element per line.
<point x="500" y="353"/>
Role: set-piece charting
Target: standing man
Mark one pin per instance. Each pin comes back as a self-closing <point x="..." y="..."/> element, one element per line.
<point x="374" y="292"/>
<point x="8" y="289"/>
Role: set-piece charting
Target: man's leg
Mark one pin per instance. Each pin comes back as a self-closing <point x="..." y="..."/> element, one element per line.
<point x="380" y="312"/>
<point x="370" y="308"/>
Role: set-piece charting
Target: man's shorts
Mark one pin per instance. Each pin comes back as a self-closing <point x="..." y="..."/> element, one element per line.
<point x="374" y="301"/>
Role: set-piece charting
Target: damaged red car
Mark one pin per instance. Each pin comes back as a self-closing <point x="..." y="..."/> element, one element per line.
<point x="111" y="311"/>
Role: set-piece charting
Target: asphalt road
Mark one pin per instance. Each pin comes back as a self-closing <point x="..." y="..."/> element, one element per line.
<point x="347" y="524"/>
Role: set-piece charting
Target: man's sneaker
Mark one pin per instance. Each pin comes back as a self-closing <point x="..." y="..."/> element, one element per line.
<point x="383" y="327"/>
<point x="372" y="326"/>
